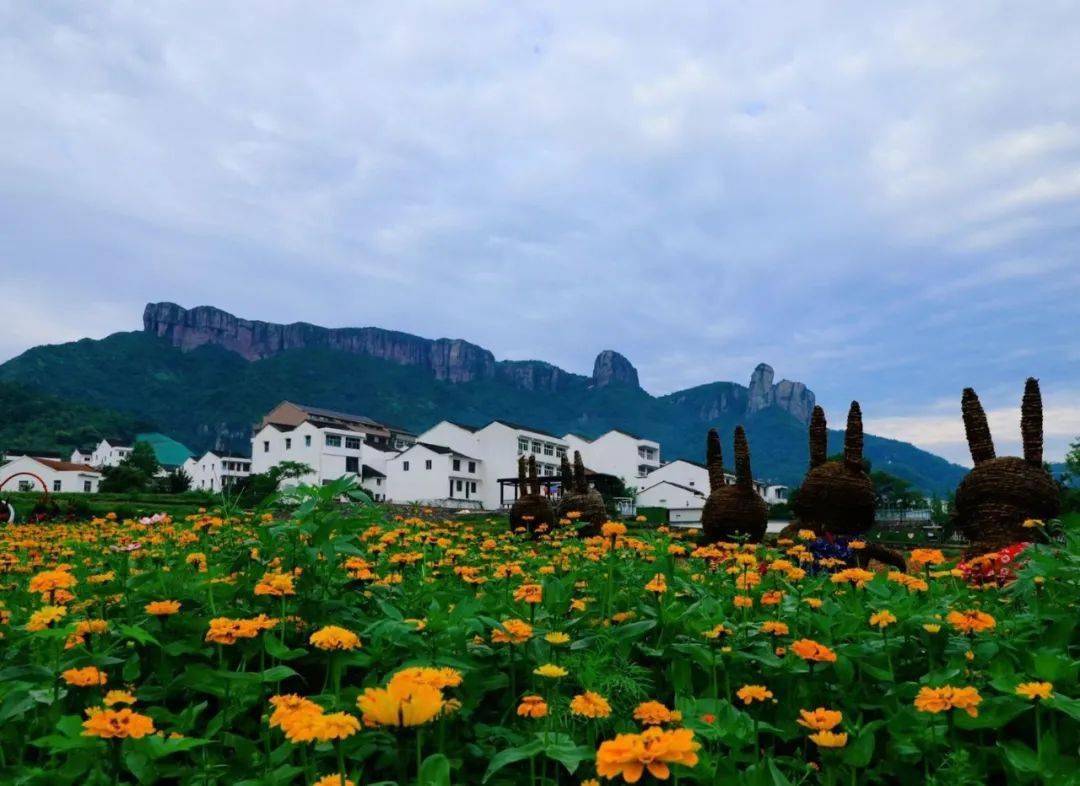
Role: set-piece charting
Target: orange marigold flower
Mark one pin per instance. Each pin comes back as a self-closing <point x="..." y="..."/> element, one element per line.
<point x="331" y="637"/>
<point x="512" y="632"/>
<point x="1035" y="690"/>
<point x="162" y="608"/>
<point x="440" y="678"/>
<point x="655" y="713"/>
<point x="971" y="621"/>
<point x="45" y="617"/>
<point x="820" y="719"/>
<point x="85" y="677"/>
<point x="935" y="700"/>
<point x="590" y="705"/>
<point x="658" y="584"/>
<point x="774" y="627"/>
<point x="52" y="580"/>
<point x="920" y="557"/>
<point x="532" y="707"/>
<point x="119" y="697"/>
<point x="117" y="724"/>
<point x="751" y="693"/>
<point x="810" y="650"/>
<point x="612" y="529"/>
<point x="828" y="739"/>
<point x="276" y="585"/>
<point x="291" y="704"/>
<point x="629" y="755"/>
<point x="333" y="780"/>
<point x="882" y="619"/>
<point x="529" y="593"/>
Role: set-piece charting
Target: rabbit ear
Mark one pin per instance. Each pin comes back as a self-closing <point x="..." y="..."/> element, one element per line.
<point x="979" y="440"/>
<point x="1031" y="422"/>
<point x="853" y="437"/>
<point x="522" y="488"/>
<point x="819" y="438"/>
<point x="581" y="486"/>
<point x="743" y="477"/>
<point x="714" y="460"/>
<point x="534" y="481"/>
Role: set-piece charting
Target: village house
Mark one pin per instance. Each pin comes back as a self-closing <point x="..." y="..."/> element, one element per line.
<point x="170" y="454"/>
<point x="107" y="453"/>
<point x="622" y="454"/>
<point x="41" y="474"/>
<point x="684" y="485"/>
<point x="331" y="444"/>
<point x="496" y="446"/>
<point x="216" y="471"/>
<point x="435" y="475"/>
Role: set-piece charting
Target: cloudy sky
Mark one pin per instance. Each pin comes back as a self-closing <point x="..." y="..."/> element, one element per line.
<point x="881" y="201"/>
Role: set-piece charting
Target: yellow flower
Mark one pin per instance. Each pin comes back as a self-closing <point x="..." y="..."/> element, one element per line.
<point x="658" y="584"/>
<point x="557" y="638"/>
<point x="1035" y="690"/>
<point x="276" y="585"/>
<point x="333" y="780"/>
<point x="590" y="705"/>
<point x="932" y="627"/>
<point x="331" y="637"/>
<point x="118" y="697"/>
<point x="45" y="616"/>
<point x="882" y="619"/>
<point x="1033" y="523"/>
<point x="400" y="704"/>
<point x="820" y="719"/>
<point x="751" y="693"/>
<point x="550" y="670"/>
<point x="828" y="739"/>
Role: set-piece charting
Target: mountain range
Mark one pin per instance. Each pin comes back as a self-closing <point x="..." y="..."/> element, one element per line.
<point x="204" y="376"/>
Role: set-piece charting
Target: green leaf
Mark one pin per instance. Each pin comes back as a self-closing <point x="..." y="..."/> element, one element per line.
<point x="435" y="771"/>
<point x="1020" y="756"/>
<point x="1070" y="707"/>
<point x="859" y="753"/>
<point x="561" y="748"/>
<point x="993" y="713"/>
<point x="138" y="634"/>
<point x="634" y="630"/>
<point x="511" y="755"/>
<point x="274" y="647"/>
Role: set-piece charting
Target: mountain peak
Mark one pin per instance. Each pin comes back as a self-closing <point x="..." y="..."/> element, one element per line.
<point x="792" y="397"/>
<point x="611" y="368"/>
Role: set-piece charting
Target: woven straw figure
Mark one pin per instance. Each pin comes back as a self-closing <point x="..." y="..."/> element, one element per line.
<point x="837" y="497"/>
<point x="732" y="511"/>
<point x="532" y="509"/>
<point x="579" y="498"/>
<point x="999" y="494"/>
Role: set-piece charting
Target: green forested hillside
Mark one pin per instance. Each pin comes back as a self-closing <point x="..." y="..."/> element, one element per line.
<point x="210" y="397"/>
<point x="34" y="421"/>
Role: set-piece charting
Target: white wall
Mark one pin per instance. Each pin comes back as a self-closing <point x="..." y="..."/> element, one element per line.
<point x="421" y="475"/>
<point x="308" y="445"/>
<point x="670" y="496"/>
<point x="106" y="455"/>
<point x="619" y="454"/>
<point x="36" y="476"/>
<point x="685" y="473"/>
<point x="211" y="472"/>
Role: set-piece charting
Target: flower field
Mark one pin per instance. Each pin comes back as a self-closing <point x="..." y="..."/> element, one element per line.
<point x="334" y="647"/>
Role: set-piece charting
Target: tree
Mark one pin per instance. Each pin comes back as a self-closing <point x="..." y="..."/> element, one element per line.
<point x="175" y="482"/>
<point x="135" y="473"/>
<point x="895" y="492"/>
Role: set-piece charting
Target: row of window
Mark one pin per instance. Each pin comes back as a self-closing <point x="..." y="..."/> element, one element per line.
<point x="540" y="448"/>
<point x="332" y="441"/>
<point x="28" y="485"/>
<point x="427" y="465"/>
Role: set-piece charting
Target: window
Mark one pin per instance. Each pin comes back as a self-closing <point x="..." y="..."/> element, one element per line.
<point x="459" y="485"/>
<point x="560" y="452"/>
<point x="549" y="450"/>
<point x="86" y="486"/>
<point x="536" y="448"/>
<point x="404" y="466"/>
<point x="26" y="485"/>
<point x="333" y="441"/>
<point x="352" y="443"/>
<point x="472" y="487"/>
<point x="288" y="443"/>
<point x="472" y="466"/>
<point x="427" y="464"/>
<point x="457" y="465"/>
<point x="56" y="485"/>
<point x="378" y="481"/>
<point x="307" y="440"/>
<point x="266" y="446"/>
<point x="523" y="446"/>
<point x="352" y="464"/>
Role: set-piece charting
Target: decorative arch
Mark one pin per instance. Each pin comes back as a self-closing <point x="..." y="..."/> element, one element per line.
<point x="38" y="478"/>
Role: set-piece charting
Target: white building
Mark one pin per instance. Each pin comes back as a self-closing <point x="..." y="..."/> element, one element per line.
<point x="435" y="475"/>
<point x="690" y="475"/>
<point x="215" y="471"/>
<point x="497" y="446"/>
<point x="332" y="444"/>
<point x="38" y="474"/>
<point x="671" y="496"/>
<point x="107" y="453"/>
<point x="619" y="453"/>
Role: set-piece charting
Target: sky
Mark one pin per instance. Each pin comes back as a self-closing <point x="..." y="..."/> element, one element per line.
<point x="881" y="200"/>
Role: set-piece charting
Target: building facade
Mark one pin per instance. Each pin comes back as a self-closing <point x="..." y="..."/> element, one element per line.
<point x="437" y="475"/>
<point x="626" y="456"/>
<point x="216" y="471"/>
<point x="39" y="474"/>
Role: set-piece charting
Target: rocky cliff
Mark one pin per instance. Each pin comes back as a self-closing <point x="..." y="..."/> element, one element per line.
<point x="456" y="361"/>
